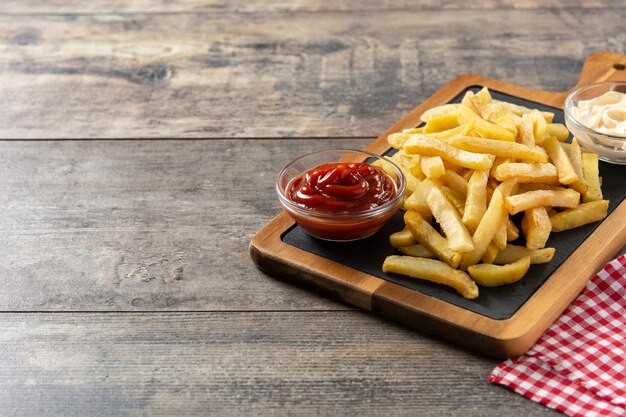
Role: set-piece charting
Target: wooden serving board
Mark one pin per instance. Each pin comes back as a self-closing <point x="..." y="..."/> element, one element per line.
<point x="502" y="322"/>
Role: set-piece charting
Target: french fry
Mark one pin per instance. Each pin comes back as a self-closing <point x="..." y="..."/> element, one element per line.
<point x="476" y="200"/>
<point x="411" y="180"/>
<point x="484" y="128"/>
<point x="526" y="131"/>
<point x="490" y="253"/>
<point x="575" y="157"/>
<point x="525" y="172"/>
<point x="592" y="177"/>
<point x="499" y="240"/>
<point x="498" y="148"/>
<point x="397" y="140"/>
<point x="559" y="158"/>
<point x="417" y="250"/>
<point x="540" y="126"/>
<point x="432" y="270"/>
<point x="513" y="253"/>
<point x="438" y="111"/>
<point x="558" y="130"/>
<point x="448" y="218"/>
<point x="402" y="238"/>
<point x="432" y="147"/>
<point x="486" y="230"/>
<point x="520" y="110"/>
<point x="455" y="181"/>
<point x="432" y="166"/>
<point x="441" y="123"/>
<point x="536" y="227"/>
<point x="495" y="275"/>
<point x="512" y="232"/>
<point x="417" y="201"/>
<point x="585" y="213"/>
<point x="457" y="131"/>
<point x="564" y="197"/>
<point x="426" y="235"/>
<point x="457" y="200"/>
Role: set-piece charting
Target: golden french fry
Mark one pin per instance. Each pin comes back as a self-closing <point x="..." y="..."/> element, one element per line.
<point x="540" y="126"/>
<point x="432" y="147"/>
<point x="513" y="253"/>
<point x="558" y="130"/>
<point x="432" y="270"/>
<point x="476" y="200"/>
<point x="455" y="181"/>
<point x="411" y="181"/>
<point x="592" y="177"/>
<point x="417" y="250"/>
<point x="457" y="200"/>
<point x="585" y="213"/>
<point x="576" y="158"/>
<point x="495" y="275"/>
<point x="512" y="232"/>
<point x="402" y="238"/>
<point x="490" y="253"/>
<point x="498" y="148"/>
<point x="457" y="131"/>
<point x="441" y="123"/>
<point x="564" y="197"/>
<point x="397" y="140"/>
<point x="520" y="110"/>
<point x="438" y="111"/>
<point x="536" y="227"/>
<point x="484" y="128"/>
<point x="432" y="166"/>
<point x="526" y="131"/>
<point x="486" y="230"/>
<point x="499" y="240"/>
<point x="448" y="218"/>
<point x="525" y="172"/>
<point x="559" y="158"/>
<point x="431" y="239"/>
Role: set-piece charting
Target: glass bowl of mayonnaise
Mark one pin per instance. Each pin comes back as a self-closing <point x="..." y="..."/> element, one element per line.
<point x="596" y="115"/>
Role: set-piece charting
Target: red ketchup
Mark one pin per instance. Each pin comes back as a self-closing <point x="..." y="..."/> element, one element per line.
<point x="339" y="197"/>
<point x="342" y="188"/>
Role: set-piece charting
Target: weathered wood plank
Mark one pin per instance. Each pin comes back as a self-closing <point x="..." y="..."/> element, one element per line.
<point x="142" y="225"/>
<point x="258" y="6"/>
<point x="265" y="364"/>
<point x="272" y="75"/>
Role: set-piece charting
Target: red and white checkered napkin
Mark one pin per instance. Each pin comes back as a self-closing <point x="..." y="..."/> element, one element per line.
<point x="578" y="366"/>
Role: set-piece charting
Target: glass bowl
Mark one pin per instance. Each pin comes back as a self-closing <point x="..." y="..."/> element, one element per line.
<point x="339" y="227"/>
<point x="610" y="148"/>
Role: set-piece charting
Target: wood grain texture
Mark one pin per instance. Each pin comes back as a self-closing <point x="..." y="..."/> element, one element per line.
<point x="142" y="225"/>
<point x="296" y="6"/>
<point x="232" y="364"/>
<point x="277" y="75"/>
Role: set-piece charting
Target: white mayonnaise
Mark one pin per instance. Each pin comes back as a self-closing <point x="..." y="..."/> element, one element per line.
<point x="605" y="114"/>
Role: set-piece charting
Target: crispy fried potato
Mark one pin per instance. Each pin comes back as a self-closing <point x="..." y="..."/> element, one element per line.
<point x="585" y="213"/>
<point x="592" y="177"/>
<point x="576" y="158"/>
<point x="438" y="111"/>
<point x="490" y="253"/>
<point x="526" y="131"/>
<point x="512" y="232"/>
<point x="486" y="230"/>
<point x="441" y="123"/>
<point x="432" y="166"/>
<point x="455" y="181"/>
<point x="513" y="253"/>
<point x="559" y="158"/>
<point x="536" y="227"/>
<point x="484" y="128"/>
<point x="417" y="250"/>
<point x="402" y="238"/>
<point x="564" y="197"/>
<point x="498" y="148"/>
<point x="476" y="200"/>
<point x="495" y="275"/>
<point x="432" y="147"/>
<point x="434" y="271"/>
<point x="426" y="235"/>
<point x="457" y="200"/>
<point x="525" y="172"/>
<point x="558" y="130"/>
<point x="448" y="218"/>
<point x="500" y="238"/>
<point x="521" y="110"/>
<point x="411" y="180"/>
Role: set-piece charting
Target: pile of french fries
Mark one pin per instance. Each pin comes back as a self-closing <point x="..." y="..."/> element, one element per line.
<point x="472" y="166"/>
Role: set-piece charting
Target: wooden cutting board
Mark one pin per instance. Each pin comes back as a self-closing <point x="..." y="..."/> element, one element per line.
<point x="502" y="322"/>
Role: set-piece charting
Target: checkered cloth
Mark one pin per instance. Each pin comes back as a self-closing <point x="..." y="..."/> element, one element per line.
<point x="578" y="366"/>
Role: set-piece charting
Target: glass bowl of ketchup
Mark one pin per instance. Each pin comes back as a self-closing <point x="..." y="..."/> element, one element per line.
<point x="341" y="194"/>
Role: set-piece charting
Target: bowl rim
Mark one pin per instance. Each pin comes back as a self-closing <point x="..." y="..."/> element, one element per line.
<point x="571" y="118"/>
<point x="400" y="184"/>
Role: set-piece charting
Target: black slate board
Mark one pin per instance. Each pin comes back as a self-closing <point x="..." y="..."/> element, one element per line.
<point x="498" y="303"/>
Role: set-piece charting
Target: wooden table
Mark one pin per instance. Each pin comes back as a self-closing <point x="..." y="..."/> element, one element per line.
<point x="126" y="283"/>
